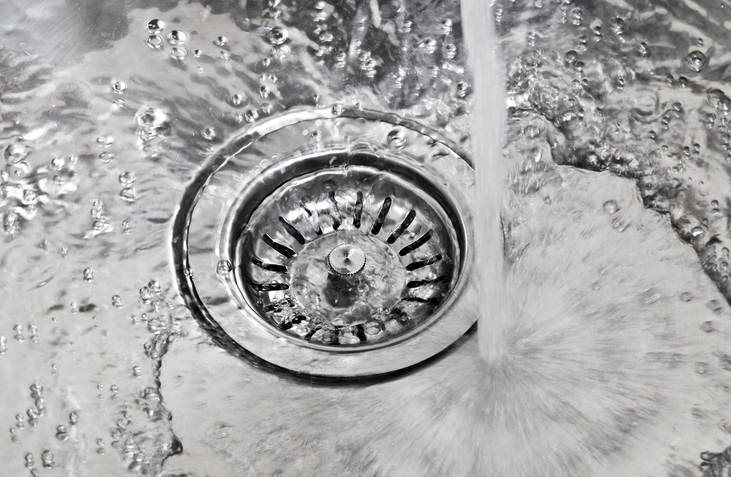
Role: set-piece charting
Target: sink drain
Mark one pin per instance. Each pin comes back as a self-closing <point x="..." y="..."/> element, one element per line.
<point x="332" y="243"/>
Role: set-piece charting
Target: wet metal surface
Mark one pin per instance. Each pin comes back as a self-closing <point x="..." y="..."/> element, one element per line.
<point x="615" y="220"/>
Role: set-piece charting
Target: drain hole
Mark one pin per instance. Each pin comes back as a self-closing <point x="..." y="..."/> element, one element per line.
<point x="418" y="299"/>
<point x="272" y="267"/>
<point x="423" y="263"/>
<point x="418" y="243"/>
<point x="336" y="212"/>
<point x="358" y="213"/>
<point x="402" y="227"/>
<point x="267" y="287"/>
<point x="291" y="230"/>
<point x="421" y="283"/>
<point x="304" y="207"/>
<point x="283" y="249"/>
<point x="381" y="216"/>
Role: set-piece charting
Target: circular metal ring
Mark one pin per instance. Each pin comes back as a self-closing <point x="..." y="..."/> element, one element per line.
<point x="244" y="247"/>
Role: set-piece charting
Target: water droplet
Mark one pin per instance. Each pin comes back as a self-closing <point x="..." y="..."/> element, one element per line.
<point x="73" y="418"/>
<point x="119" y="87"/>
<point x="610" y="207"/>
<point x="105" y="140"/>
<point x="117" y="301"/>
<point x="154" y="42"/>
<point x="720" y="101"/>
<point x="177" y="37"/>
<point x="277" y="35"/>
<point x="209" y="133"/>
<point x="197" y="53"/>
<point x="396" y="137"/>
<point x="429" y="45"/>
<point x="251" y="115"/>
<point x="224" y="267"/>
<point x="128" y="194"/>
<point x="47" y="458"/>
<point x="136" y="371"/>
<point x="220" y="41"/>
<point x="450" y="51"/>
<point x="178" y="53"/>
<point x="16" y="153"/>
<point x="88" y="275"/>
<point x="462" y="89"/>
<point x="337" y="109"/>
<point x="155" y="25"/>
<point x="127" y="178"/>
<point x="696" y="60"/>
<point x="696" y="231"/>
<point x="446" y="27"/>
<point x="571" y="57"/>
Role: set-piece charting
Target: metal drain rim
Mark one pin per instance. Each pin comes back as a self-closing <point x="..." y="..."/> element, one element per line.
<point x="202" y="287"/>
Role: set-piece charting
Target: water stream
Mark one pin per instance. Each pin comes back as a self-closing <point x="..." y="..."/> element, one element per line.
<point x="614" y="217"/>
<point x="488" y="124"/>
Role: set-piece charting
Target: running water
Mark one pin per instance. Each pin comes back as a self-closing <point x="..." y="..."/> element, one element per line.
<point x="615" y="215"/>
<point x="488" y="124"/>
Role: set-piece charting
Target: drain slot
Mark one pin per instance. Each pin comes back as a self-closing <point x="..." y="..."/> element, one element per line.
<point x="376" y="229"/>
<point x="417" y="244"/>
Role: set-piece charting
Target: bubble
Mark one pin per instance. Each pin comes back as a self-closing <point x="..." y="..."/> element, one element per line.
<point x="571" y="57"/>
<point x="277" y="36"/>
<point x="74" y="418"/>
<point x="446" y="27"/>
<point x="136" y="371"/>
<point x="47" y="458"/>
<point x="209" y="133"/>
<point x="88" y="275"/>
<point x="178" y="53"/>
<point x="177" y="37"/>
<point x="337" y="109"/>
<point x="224" y="267"/>
<point x="16" y="153"/>
<point x="450" y="51"/>
<point x="154" y="42"/>
<point x="429" y="45"/>
<point x="119" y="87"/>
<point x="696" y="60"/>
<point x="155" y="25"/>
<point x="372" y="328"/>
<point x="264" y="91"/>
<point x="128" y="194"/>
<point x="462" y="89"/>
<point x="720" y="101"/>
<point x="251" y="115"/>
<point x="696" y="231"/>
<point x="117" y="301"/>
<point x="220" y="41"/>
<point x="105" y="140"/>
<point x="396" y="137"/>
<point x="127" y="178"/>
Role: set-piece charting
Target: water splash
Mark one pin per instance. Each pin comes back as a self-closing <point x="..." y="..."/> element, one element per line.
<point x="487" y="131"/>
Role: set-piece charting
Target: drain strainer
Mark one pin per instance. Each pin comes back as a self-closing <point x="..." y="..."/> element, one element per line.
<point x="333" y="244"/>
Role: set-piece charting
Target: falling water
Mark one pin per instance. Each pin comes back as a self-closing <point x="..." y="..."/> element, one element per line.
<point x="488" y="123"/>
